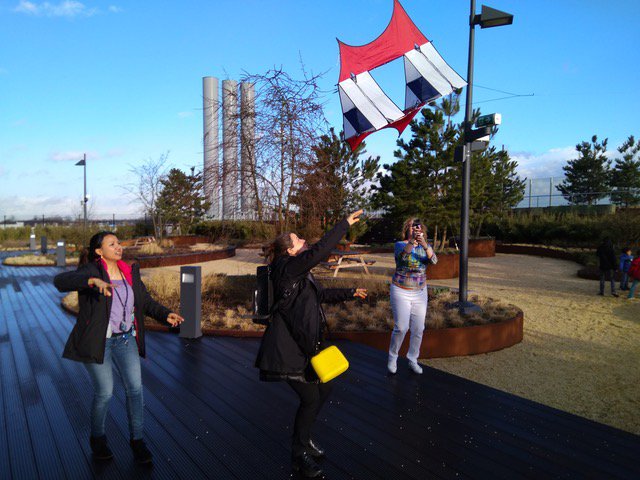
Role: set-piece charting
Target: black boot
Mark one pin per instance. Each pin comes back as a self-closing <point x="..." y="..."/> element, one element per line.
<point x="315" y="450"/>
<point x="306" y="465"/>
<point x="100" y="449"/>
<point x="141" y="453"/>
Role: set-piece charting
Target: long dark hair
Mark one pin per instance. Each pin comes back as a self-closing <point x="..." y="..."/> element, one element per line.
<point x="278" y="247"/>
<point x="90" y="255"/>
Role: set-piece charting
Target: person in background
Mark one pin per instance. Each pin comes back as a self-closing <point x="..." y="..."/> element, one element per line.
<point x="409" y="294"/>
<point x="295" y="333"/>
<point x="608" y="264"/>
<point x="634" y="273"/>
<point x="109" y="332"/>
<point x="625" y="261"/>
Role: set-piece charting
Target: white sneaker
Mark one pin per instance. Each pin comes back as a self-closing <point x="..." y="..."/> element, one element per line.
<point x="415" y="368"/>
<point x="392" y="366"/>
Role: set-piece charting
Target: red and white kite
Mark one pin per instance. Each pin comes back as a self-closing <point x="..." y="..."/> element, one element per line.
<point x="365" y="107"/>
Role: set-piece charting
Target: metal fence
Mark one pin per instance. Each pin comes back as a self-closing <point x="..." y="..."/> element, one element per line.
<point x="543" y="192"/>
<point x="107" y="220"/>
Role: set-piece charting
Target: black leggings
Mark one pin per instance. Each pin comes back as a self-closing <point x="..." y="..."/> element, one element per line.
<point x="312" y="397"/>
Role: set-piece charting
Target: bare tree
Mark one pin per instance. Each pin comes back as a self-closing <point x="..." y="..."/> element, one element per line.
<point x="147" y="187"/>
<point x="285" y="124"/>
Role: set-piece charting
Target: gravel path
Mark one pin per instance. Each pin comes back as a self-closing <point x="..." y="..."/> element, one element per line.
<point x="581" y="351"/>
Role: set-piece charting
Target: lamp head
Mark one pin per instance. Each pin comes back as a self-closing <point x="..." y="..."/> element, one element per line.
<point x="490" y="17"/>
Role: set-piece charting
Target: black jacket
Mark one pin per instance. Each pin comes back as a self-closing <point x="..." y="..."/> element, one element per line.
<point x="87" y="340"/>
<point x="295" y="332"/>
<point x="607" y="256"/>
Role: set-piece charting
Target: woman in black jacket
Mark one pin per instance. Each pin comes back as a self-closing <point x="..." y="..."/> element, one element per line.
<point x="109" y="330"/>
<point x="295" y="332"/>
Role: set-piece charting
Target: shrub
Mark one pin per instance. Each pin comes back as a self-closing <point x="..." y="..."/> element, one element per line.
<point x="240" y="231"/>
<point x="567" y="228"/>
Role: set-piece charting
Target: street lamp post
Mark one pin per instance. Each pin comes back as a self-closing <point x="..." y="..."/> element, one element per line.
<point x="487" y="19"/>
<point x="83" y="163"/>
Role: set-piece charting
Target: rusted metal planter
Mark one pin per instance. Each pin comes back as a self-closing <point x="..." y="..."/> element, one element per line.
<point x="482" y="247"/>
<point x="184" y="258"/>
<point x="450" y="342"/>
<point x="436" y="343"/>
<point x="448" y="266"/>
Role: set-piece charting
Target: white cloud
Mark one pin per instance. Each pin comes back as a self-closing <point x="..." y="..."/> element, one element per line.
<point x="185" y="114"/>
<point x="66" y="8"/>
<point x="25" y="207"/>
<point x="72" y="155"/>
<point x="115" y="152"/>
<point x="27" y="7"/>
<point x="543" y="165"/>
<point x="40" y="174"/>
<point x="114" y="9"/>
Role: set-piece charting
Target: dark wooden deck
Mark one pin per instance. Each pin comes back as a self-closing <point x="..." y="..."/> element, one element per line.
<point x="207" y="415"/>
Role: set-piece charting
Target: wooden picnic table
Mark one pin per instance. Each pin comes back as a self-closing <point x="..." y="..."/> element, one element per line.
<point x="347" y="259"/>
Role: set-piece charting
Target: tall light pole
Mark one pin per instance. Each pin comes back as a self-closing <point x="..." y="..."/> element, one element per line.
<point x="83" y="163"/>
<point x="487" y="19"/>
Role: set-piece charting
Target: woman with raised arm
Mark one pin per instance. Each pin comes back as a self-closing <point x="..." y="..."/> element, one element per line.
<point x="109" y="332"/>
<point x="409" y="294"/>
<point x="295" y="333"/>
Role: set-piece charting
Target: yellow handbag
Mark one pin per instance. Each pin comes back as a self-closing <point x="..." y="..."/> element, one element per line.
<point x="329" y="363"/>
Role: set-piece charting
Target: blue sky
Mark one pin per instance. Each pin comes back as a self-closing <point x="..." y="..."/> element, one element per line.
<point x="121" y="80"/>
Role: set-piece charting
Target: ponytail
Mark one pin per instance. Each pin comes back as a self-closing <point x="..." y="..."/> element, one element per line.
<point x="278" y="247"/>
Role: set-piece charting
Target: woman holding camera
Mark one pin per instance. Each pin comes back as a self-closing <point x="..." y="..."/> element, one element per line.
<point x="295" y="333"/>
<point x="409" y="295"/>
<point x="109" y="333"/>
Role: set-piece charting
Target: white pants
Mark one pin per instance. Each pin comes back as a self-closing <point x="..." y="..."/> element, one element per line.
<point x="409" y="309"/>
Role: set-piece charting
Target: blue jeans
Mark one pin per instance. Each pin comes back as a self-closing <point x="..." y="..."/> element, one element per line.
<point x="624" y="282"/>
<point x="603" y="275"/>
<point x="123" y="353"/>
<point x="632" y="290"/>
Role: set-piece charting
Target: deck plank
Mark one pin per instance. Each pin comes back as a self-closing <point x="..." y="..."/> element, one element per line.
<point x="208" y="416"/>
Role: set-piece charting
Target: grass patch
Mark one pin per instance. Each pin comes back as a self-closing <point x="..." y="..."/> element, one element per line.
<point x="151" y="249"/>
<point x="37" y="260"/>
<point x="225" y="299"/>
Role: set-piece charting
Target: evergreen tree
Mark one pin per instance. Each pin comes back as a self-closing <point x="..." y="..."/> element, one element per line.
<point x="495" y="186"/>
<point x="424" y="181"/>
<point x="335" y="181"/>
<point x="587" y="177"/>
<point x="182" y="199"/>
<point x="625" y="175"/>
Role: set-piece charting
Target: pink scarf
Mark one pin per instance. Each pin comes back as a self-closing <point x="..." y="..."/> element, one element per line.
<point x="124" y="267"/>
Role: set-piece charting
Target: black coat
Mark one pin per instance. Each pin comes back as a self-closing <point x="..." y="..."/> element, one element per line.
<point x="607" y="257"/>
<point x="87" y="340"/>
<point x="295" y="332"/>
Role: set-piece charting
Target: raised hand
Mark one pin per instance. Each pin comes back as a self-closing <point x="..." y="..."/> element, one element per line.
<point x="101" y="285"/>
<point x="353" y="218"/>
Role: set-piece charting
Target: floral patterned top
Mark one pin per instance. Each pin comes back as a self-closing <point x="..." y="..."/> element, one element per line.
<point x="411" y="268"/>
